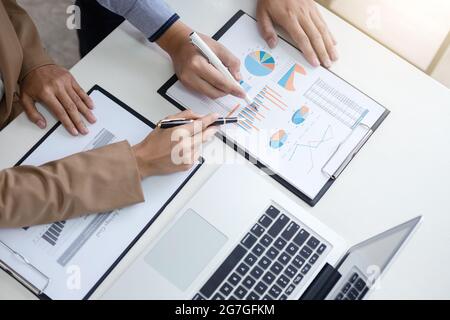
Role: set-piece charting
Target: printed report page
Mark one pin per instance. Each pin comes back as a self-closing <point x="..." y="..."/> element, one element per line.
<point x="300" y="115"/>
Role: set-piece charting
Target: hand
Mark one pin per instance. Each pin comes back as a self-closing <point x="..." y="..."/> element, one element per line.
<point x="57" y="89"/>
<point x="303" y="22"/>
<point x="172" y="150"/>
<point x="194" y="70"/>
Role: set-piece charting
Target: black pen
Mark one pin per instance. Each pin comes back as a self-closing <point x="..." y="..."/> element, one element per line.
<point x="171" y="123"/>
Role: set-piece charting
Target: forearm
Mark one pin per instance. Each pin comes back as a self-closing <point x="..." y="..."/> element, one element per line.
<point x="96" y="181"/>
<point x="151" y="17"/>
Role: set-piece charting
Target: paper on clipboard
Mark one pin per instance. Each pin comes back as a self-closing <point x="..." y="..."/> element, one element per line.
<point x="302" y="117"/>
<point x="76" y="254"/>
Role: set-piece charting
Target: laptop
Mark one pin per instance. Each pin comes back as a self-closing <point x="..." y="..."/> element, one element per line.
<point x="240" y="238"/>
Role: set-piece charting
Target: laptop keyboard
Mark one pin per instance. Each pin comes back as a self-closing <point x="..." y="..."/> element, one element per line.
<point x="270" y="262"/>
<point x="354" y="289"/>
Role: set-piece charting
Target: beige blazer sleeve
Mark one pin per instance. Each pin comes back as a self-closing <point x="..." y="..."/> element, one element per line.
<point x="89" y="182"/>
<point x="34" y="55"/>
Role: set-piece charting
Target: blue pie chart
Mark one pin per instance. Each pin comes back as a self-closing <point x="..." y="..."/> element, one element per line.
<point x="259" y="63"/>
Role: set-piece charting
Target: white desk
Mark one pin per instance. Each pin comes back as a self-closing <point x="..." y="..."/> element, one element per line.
<point x="403" y="171"/>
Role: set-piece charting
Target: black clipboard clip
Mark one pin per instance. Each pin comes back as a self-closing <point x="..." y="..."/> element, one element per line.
<point x="352" y="153"/>
<point x="18" y="276"/>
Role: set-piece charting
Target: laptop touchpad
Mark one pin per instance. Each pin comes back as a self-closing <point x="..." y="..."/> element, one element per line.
<point x="185" y="249"/>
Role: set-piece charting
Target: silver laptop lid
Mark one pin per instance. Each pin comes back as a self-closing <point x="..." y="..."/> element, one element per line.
<point x="379" y="250"/>
<point x="364" y="263"/>
<point x="372" y="256"/>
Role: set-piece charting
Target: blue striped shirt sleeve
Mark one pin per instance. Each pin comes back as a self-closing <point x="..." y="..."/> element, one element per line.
<point x="151" y="17"/>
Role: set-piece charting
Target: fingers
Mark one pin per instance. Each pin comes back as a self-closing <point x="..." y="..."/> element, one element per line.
<point x="72" y="111"/>
<point x="322" y="20"/>
<point x="75" y="102"/>
<point x="196" y="83"/>
<point x="200" y="124"/>
<point x="58" y="90"/>
<point x="229" y="60"/>
<point x="32" y="113"/>
<point x="81" y="105"/>
<point x="215" y="78"/>
<point x="208" y="80"/>
<point x="83" y="102"/>
<point x="266" y="27"/>
<point x="185" y="141"/>
<point x="197" y="74"/>
<point x="317" y="41"/>
<point x="301" y="40"/>
<point x="60" y="113"/>
<point x="83" y="95"/>
<point x="332" y="37"/>
<point x="208" y="120"/>
<point x="328" y="39"/>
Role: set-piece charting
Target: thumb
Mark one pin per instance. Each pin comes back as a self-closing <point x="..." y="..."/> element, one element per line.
<point x="31" y="111"/>
<point x="267" y="29"/>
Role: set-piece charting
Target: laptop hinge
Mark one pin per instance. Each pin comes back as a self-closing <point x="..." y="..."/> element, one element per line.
<point x="322" y="284"/>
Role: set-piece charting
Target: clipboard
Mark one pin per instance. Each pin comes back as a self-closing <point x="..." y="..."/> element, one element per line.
<point x="39" y="291"/>
<point x="332" y="176"/>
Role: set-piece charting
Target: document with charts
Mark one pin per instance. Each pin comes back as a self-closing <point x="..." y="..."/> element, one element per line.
<point x="304" y="123"/>
<point x="68" y="259"/>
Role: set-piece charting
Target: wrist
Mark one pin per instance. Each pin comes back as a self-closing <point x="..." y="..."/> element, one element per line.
<point x="142" y="166"/>
<point x="176" y="36"/>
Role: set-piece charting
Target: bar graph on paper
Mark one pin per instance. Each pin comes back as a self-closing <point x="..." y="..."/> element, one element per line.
<point x="264" y="102"/>
<point x="335" y="103"/>
<point x="67" y="238"/>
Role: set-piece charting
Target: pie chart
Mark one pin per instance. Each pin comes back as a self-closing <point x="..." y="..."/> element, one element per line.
<point x="260" y="63"/>
<point x="278" y="139"/>
<point x="300" y="115"/>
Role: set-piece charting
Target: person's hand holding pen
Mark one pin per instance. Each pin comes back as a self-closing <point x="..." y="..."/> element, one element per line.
<point x="194" y="70"/>
<point x="174" y="149"/>
<point x="300" y="18"/>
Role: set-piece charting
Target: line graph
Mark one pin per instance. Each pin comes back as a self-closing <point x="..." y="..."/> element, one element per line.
<point x="313" y="145"/>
